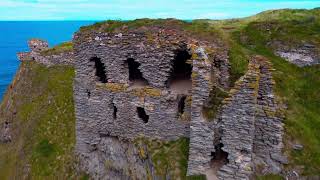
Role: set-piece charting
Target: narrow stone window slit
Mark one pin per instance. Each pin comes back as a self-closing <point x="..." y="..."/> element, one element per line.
<point x="100" y="69"/>
<point x="135" y="75"/>
<point x="115" y="110"/>
<point x="142" y="114"/>
<point x="88" y="93"/>
<point x="218" y="158"/>
<point x="181" y="105"/>
<point x="180" y="78"/>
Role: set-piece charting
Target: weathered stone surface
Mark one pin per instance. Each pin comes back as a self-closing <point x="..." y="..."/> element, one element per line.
<point x="155" y="51"/>
<point x="297" y="147"/>
<point x="305" y="55"/>
<point x="5" y="134"/>
<point x="251" y="125"/>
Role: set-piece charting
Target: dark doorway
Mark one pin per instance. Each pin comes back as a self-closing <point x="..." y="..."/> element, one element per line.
<point x="181" y="104"/>
<point x="180" y="78"/>
<point x="218" y="158"/>
<point x="142" y="114"/>
<point x="181" y="69"/>
<point x="100" y="69"/>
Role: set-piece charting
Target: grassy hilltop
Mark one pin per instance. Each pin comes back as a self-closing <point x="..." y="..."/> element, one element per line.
<point x="39" y="102"/>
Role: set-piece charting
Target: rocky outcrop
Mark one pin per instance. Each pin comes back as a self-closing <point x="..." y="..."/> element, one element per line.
<point x="5" y="134"/>
<point x="303" y="56"/>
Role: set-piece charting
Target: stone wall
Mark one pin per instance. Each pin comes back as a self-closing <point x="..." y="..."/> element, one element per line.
<point x="251" y="128"/>
<point x="38" y="46"/>
<point x="201" y="136"/>
<point x="155" y="51"/>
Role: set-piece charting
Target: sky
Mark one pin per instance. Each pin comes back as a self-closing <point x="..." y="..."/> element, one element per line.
<point x="133" y="9"/>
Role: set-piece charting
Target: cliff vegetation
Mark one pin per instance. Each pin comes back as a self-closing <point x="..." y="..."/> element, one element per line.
<point x="39" y="107"/>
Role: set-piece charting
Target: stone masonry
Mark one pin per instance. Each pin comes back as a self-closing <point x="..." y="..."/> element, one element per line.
<point x="125" y="89"/>
<point x="251" y="127"/>
<point x="37" y="46"/>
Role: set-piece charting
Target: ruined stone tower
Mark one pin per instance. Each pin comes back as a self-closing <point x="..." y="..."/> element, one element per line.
<point x="157" y="83"/>
<point x="151" y="84"/>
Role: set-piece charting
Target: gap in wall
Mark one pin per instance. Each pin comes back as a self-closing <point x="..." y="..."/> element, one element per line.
<point x="100" y="69"/>
<point x="142" y="114"/>
<point x="180" y="77"/>
<point x="135" y="75"/>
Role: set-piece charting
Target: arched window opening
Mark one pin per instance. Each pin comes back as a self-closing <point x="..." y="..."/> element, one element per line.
<point x="180" y="78"/>
<point x="181" y="104"/>
<point x="142" y="114"/>
<point x="135" y="75"/>
<point x="100" y="69"/>
<point x="219" y="158"/>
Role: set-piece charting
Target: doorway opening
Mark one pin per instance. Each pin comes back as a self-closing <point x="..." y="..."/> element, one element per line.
<point x="100" y="69"/>
<point x="180" y="78"/>
<point x="135" y="75"/>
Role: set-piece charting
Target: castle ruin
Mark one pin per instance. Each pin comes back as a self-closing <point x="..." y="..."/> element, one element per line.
<point x="155" y="84"/>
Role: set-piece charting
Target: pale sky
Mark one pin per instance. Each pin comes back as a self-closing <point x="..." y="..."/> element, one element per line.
<point x="132" y="9"/>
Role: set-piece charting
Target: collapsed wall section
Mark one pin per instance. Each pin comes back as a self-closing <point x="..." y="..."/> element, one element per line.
<point x="238" y="117"/>
<point x="37" y="47"/>
<point x="252" y="126"/>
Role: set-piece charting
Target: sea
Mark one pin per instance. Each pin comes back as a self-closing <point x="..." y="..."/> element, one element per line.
<point x="15" y="34"/>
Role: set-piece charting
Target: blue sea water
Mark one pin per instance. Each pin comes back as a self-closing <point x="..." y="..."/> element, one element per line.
<point x="15" y="34"/>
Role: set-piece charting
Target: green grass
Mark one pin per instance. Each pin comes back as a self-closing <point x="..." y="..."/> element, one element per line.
<point x="239" y="61"/>
<point x="114" y="25"/>
<point x="211" y="108"/>
<point x="61" y="48"/>
<point x="42" y="111"/>
<point x="168" y="158"/>
<point x="197" y="177"/>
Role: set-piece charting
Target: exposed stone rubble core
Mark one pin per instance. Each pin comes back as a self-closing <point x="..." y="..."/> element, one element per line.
<point x="37" y="46"/>
<point x="303" y="56"/>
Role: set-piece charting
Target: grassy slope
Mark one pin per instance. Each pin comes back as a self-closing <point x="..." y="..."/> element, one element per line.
<point x="298" y="87"/>
<point x="40" y="105"/>
<point x="60" y="48"/>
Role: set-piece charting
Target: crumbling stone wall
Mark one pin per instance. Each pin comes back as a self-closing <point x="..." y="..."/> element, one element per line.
<point x="38" y="46"/>
<point x="251" y="128"/>
<point x="201" y="136"/>
<point x="154" y="50"/>
<point x="268" y="145"/>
